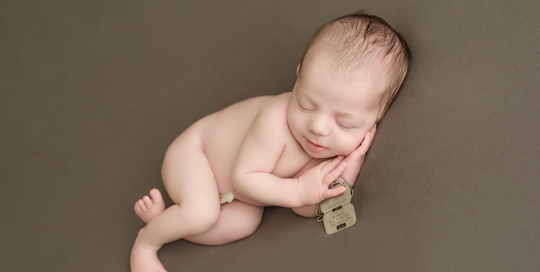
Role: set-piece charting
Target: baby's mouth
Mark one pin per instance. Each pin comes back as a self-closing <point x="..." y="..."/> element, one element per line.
<point x="315" y="147"/>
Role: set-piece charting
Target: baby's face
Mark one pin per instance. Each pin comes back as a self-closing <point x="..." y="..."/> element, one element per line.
<point x="329" y="115"/>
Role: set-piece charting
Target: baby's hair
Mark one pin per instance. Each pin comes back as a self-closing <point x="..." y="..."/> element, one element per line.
<point x="363" y="42"/>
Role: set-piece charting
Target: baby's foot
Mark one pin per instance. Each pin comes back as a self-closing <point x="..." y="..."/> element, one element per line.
<point x="147" y="208"/>
<point x="144" y="258"/>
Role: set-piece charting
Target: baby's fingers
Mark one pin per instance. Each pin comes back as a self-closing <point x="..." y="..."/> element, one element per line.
<point x="369" y="139"/>
<point x="334" y="174"/>
<point x="332" y="164"/>
<point x="363" y="148"/>
<point x="366" y="143"/>
<point x="333" y="192"/>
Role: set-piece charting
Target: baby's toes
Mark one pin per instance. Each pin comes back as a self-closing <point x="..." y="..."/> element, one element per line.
<point x="148" y="202"/>
<point x="141" y="205"/>
<point x="156" y="196"/>
<point x="138" y="208"/>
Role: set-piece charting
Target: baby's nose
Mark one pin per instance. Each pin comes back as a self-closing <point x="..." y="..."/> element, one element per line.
<point x="319" y="126"/>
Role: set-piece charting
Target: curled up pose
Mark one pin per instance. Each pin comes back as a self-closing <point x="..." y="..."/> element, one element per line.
<point x="281" y="150"/>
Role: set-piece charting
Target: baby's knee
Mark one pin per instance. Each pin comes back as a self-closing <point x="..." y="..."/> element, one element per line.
<point x="249" y="228"/>
<point x="203" y="217"/>
<point x="247" y="222"/>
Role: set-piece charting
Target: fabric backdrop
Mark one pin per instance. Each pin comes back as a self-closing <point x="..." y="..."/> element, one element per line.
<point x="93" y="92"/>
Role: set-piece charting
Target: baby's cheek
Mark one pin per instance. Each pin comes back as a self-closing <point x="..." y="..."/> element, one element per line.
<point x="295" y="124"/>
<point x="344" y="146"/>
<point x="350" y="144"/>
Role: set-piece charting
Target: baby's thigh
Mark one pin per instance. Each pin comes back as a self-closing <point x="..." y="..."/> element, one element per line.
<point x="237" y="220"/>
<point x="186" y="172"/>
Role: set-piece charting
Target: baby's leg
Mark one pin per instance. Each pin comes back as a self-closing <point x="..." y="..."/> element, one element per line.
<point x="190" y="183"/>
<point x="237" y="220"/>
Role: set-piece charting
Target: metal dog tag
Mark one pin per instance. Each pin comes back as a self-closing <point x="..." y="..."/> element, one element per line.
<point x="339" y="219"/>
<point x="329" y="204"/>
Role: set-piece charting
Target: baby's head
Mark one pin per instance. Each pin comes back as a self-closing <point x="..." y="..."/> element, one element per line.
<point x="349" y="74"/>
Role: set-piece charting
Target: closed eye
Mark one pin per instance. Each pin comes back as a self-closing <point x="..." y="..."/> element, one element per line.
<point x="302" y="106"/>
<point x="345" y="127"/>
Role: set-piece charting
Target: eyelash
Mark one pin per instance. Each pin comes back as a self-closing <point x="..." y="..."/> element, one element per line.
<point x="302" y="107"/>
<point x="342" y="126"/>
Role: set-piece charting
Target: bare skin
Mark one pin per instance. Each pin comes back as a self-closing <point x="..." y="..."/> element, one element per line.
<point x="268" y="151"/>
<point x="147" y="208"/>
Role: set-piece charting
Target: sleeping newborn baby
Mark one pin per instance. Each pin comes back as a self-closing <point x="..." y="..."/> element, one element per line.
<point x="280" y="150"/>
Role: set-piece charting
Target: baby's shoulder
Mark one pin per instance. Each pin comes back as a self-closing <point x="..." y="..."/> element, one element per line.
<point x="273" y="111"/>
<point x="278" y="104"/>
<point x="270" y="118"/>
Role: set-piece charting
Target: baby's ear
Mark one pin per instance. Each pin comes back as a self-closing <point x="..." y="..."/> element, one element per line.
<point x="297" y="69"/>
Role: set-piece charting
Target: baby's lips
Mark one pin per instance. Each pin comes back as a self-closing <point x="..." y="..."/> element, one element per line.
<point x="315" y="148"/>
<point x="316" y="144"/>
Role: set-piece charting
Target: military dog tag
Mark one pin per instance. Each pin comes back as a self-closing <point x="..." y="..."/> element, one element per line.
<point x="329" y="204"/>
<point x="340" y="219"/>
<point x="338" y="212"/>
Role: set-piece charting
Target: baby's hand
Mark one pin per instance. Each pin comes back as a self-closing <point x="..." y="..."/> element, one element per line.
<point x="359" y="153"/>
<point x="314" y="182"/>
<point x="356" y="158"/>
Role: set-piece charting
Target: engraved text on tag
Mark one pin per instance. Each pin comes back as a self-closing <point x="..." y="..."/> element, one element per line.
<point x="339" y="219"/>
<point x="329" y="204"/>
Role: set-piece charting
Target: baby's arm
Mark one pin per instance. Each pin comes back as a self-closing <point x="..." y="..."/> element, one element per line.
<point x="257" y="157"/>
